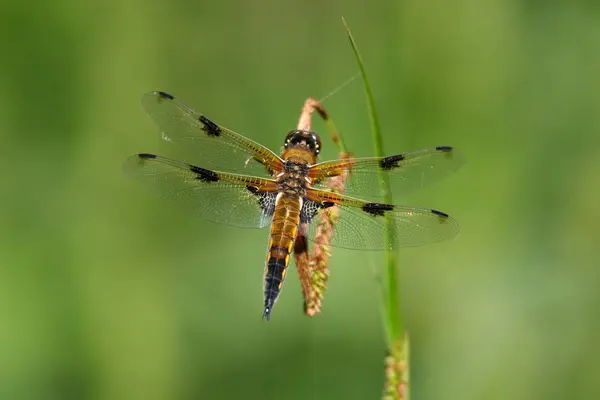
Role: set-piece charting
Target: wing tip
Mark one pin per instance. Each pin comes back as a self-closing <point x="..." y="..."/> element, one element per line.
<point x="146" y="156"/>
<point x="445" y="148"/>
<point x="439" y="213"/>
<point x="150" y="100"/>
<point x="447" y="219"/>
<point x="451" y="152"/>
<point x="163" y="95"/>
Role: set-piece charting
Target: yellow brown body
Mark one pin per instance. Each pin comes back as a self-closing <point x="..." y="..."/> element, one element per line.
<point x="283" y="235"/>
<point x="301" y="149"/>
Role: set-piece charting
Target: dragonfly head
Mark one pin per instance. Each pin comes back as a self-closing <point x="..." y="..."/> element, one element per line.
<point x="304" y="140"/>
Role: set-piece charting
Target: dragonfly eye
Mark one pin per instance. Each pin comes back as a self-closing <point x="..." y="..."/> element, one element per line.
<point x="305" y="138"/>
<point x="293" y="138"/>
<point x="316" y="143"/>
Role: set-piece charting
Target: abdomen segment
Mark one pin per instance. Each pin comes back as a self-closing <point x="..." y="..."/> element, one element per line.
<point x="283" y="234"/>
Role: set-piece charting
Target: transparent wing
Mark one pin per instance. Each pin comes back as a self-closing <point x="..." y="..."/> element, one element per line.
<point x="231" y="199"/>
<point x="406" y="172"/>
<point x="362" y="225"/>
<point x="205" y="142"/>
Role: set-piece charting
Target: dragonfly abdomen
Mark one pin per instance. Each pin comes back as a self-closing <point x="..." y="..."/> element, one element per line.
<point x="283" y="234"/>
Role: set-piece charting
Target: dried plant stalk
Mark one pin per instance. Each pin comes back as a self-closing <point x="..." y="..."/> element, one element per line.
<point x="310" y="105"/>
<point x="312" y="267"/>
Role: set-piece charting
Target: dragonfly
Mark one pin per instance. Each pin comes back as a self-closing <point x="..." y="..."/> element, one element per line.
<point x="230" y="179"/>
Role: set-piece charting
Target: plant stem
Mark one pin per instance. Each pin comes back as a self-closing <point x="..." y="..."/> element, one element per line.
<point x="393" y="320"/>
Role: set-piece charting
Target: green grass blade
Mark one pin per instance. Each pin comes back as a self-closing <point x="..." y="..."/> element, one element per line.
<point x="393" y="320"/>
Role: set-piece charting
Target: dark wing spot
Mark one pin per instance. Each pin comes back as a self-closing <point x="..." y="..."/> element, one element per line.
<point x="444" y="148"/>
<point x="146" y="156"/>
<point x="210" y="127"/>
<point x="309" y="210"/>
<point x="391" y="162"/>
<point x="440" y="213"/>
<point x="327" y="204"/>
<point x="164" y="95"/>
<point x="266" y="200"/>
<point x="204" y="175"/>
<point x="377" y="209"/>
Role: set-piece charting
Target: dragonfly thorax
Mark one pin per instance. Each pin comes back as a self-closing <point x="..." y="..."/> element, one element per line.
<point x="295" y="167"/>
<point x="293" y="178"/>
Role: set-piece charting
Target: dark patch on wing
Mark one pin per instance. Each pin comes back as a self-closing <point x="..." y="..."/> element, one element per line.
<point x="204" y="175"/>
<point x="444" y="148"/>
<point x="146" y="156"/>
<point x="309" y="210"/>
<point x="210" y="127"/>
<point x="377" y="209"/>
<point x="165" y="95"/>
<point x="266" y="200"/>
<point x="391" y="162"/>
<point x="440" y="213"/>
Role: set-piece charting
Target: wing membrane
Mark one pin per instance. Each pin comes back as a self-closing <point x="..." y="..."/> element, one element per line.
<point x="362" y="225"/>
<point x="205" y="142"/>
<point x="231" y="199"/>
<point x="406" y="172"/>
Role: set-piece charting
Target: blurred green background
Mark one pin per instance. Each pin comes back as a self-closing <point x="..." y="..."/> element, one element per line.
<point x="107" y="292"/>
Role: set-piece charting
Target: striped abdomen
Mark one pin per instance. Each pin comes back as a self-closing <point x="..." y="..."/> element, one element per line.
<point x="283" y="234"/>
